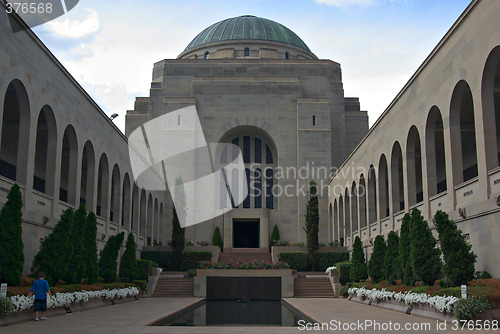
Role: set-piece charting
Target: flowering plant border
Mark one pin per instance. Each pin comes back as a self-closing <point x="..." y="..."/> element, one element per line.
<point x="441" y="303"/>
<point x="65" y="299"/>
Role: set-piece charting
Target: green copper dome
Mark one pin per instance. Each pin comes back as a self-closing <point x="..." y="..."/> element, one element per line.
<point x="247" y="27"/>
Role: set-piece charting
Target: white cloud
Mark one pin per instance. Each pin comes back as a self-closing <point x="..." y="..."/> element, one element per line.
<point x="342" y="3"/>
<point x="74" y="28"/>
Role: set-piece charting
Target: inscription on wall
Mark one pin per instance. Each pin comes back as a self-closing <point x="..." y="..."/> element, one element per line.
<point x="467" y="193"/>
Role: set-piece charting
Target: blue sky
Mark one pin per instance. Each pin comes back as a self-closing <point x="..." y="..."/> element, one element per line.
<point x="110" y="46"/>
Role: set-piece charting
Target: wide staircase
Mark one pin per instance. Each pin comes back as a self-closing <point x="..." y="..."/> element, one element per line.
<point x="246" y="255"/>
<point x="312" y="285"/>
<point x="174" y="284"/>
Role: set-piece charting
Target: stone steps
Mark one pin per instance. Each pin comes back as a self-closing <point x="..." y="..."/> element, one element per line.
<point x="174" y="287"/>
<point x="245" y="257"/>
<point x="313" y="287"/>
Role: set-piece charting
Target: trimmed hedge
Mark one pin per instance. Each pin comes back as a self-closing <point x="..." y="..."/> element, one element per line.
<point x="328" y="259"/>
<point x="140" y="284"/>
<point x="344" y="270"/>
<point x="190" y="259"/>
<point x="144" y="268"/>
<point x="296" y="260"/>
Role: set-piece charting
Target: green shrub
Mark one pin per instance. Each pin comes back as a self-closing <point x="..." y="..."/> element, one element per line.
<point x="90" y="247"/>
<point x="163" y="258"/>
<point x="300" y="244"/>
<point x="11" y="241"/>
<point x="55" y="252"/>
<point x="275" y="235"/>
<point x="190" y="259"/>
<point x="191" y="272"/>
<point x="420" y="289"/>
<point x="376" y="263"/>
<point x="328" y="259"/>
<point x="144" y="268"/>
<point x="128" y="265"/>
<point x="76" y="267"/>
<point x="296" y="260"/>
<point x="344" y="270"/>
<point x="458" y="257"/>
<point x="482" y="275"/>
<point x="358" y="267"/>
<point x="6" y="307"/>
<point x="217" y="238"/>
<point x="391" y="258"/>
<point x="140" y="283"/>
<point x="470" y="308"/>
<point x="444" y="283"/>
<point x="333" y="244"/>
<point x="425" y="257"/>
<point x="404" y="252"/>
<point x="109" y="256"/>
<point x="344" y="291"/>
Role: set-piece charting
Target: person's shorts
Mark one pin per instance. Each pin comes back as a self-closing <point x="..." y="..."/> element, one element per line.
<point x="40" y="305"/>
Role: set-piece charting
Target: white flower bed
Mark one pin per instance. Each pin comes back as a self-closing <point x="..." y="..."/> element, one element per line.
<point x="67" y="298"/>
<point x="441" y="303"/>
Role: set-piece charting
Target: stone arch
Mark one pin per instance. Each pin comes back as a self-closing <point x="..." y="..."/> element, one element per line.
<point x="142" y="219"/>
<point x="490" y="92"/>
<point x="135" y="215"/>
<point x="342" y="230"/>
<point x="335" y="219"/>
<point x="361" y="192"/>
<point x="383" y="186"/>
<point x="414" y="167"/>
<point x="398" y="199"/>
<point x="156" y="231"/>
<point x="126" y="202"/>
<point x="69" y="162"/>
<point x="161" y="223"/>
<point x="371" y="193"/>
<point x="150" y="221"/>
<point x="463" y="132"/>
<point x="45" y="155"/>
<point x="87" y="179"/>
<point x="114" y="212"/>
<point x="103" y="187"/>
<point x="435" y="156"/>
<point x="15" y="133"/>
<point x="347" y="212"/>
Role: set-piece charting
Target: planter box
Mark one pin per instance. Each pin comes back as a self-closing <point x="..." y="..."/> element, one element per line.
<point x="422" y="310"/>
<point x="81" y="306"/>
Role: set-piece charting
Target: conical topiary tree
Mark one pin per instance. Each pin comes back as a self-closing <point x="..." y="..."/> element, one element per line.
<point x="109" y="257"/>
<point x="425" y="257"/>
<point x="56" y="250"/>
<point x="76" y="268"/>
<point x="391" y="258"/>
<point x="90" y="248"/>
<point x="11" y="241"/>
<point x="376" y="263"/>
<point x="459" y="259"/>
<point x="217" y="238"/>
<point x="358" y="266"/>
<point x="275" y="236"/>
<point x="128" y="265"/>
<point x="312" y="226"/>
<point x="178" y="239"/>
<point x="404" y="252"/>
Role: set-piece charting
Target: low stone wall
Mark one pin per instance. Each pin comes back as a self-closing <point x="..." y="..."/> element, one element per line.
<point x="276" y="250"/>
<point x="200" y="280"/>
<point x="81" y="306"/>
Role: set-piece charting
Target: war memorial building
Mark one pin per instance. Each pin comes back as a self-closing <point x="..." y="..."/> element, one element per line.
<point x="257" y="85"/>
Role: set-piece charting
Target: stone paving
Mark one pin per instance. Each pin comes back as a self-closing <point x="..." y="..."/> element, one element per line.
<point x="133" y="317"/>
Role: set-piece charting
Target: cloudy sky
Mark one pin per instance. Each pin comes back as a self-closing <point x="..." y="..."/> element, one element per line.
<point x="110" y="46"/>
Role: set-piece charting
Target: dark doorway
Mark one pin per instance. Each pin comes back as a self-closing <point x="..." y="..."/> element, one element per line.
<point x="246" y="233"/>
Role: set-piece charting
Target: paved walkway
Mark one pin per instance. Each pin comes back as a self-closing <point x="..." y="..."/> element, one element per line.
<point x="133" y="317"/>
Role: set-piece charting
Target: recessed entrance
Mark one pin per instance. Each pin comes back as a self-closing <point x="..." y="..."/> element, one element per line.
<point x="246" y="233"/>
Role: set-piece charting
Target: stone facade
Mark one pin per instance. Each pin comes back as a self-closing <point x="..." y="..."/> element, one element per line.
<point x="435" y="147"/>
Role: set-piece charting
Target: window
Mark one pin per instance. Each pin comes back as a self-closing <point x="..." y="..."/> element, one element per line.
<point x="269" y="188"/>
<point x="269" y="155"/>
<point x="246" y="201"/>
<point x="258" y="150"/>
<point x="247" y="52"/>
<point x="206" y="55"/>
<point x="286" y="55"/>
<point x="246" y="149"/>
<point x="314" y="120"/>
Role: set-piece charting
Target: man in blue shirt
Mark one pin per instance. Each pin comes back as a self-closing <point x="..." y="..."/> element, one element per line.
<point x="40" y="287"/>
